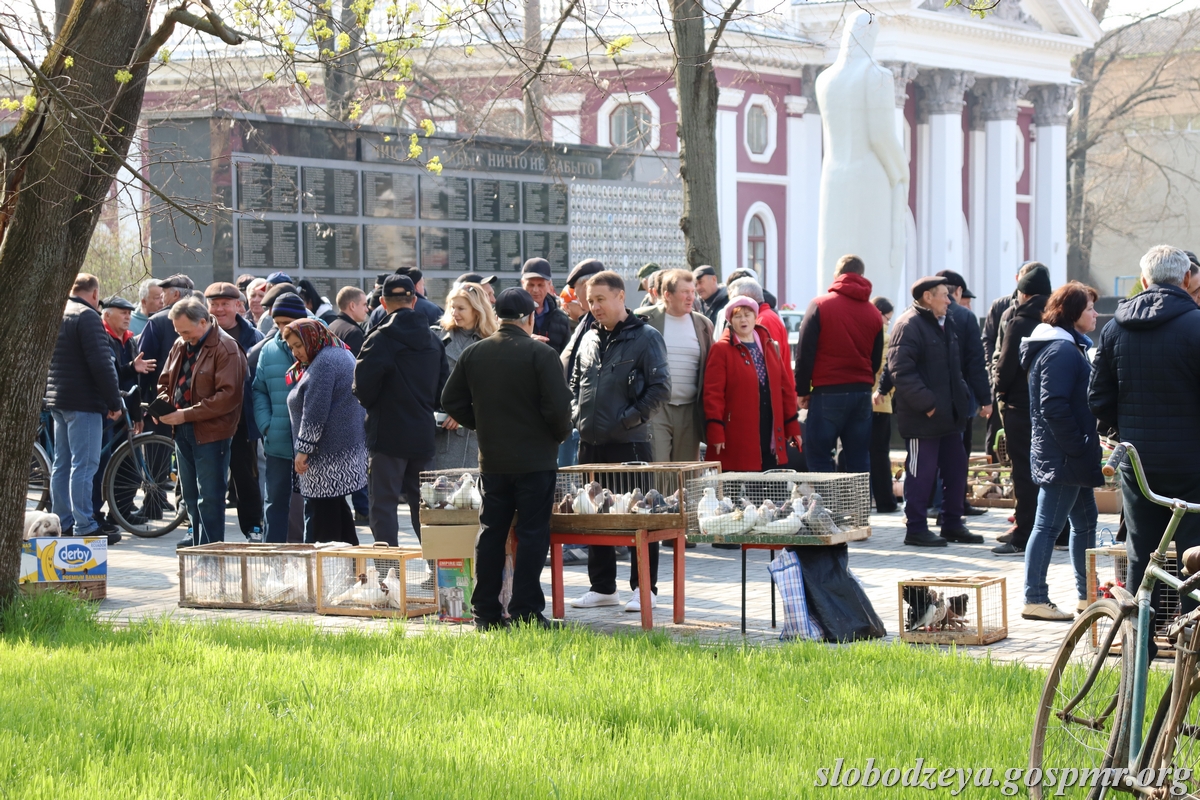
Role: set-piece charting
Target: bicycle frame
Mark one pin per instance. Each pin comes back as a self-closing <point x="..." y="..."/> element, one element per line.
<point x="1155" y="573"/>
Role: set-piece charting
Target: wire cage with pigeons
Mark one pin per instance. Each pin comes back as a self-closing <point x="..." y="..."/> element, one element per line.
<point x="270" y="577"/>
<point x="450" y="497"/>
<point x="378" y="581"/>
<point x="625" y="497"/>
<point x="748" y="507"/>
<point x="1109" y="566"/>
<point x="954" y="610"/>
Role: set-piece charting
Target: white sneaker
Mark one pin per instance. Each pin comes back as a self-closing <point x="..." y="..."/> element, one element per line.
<point x="1045" y="611"/>
<point x="596" y="600"/>
<point x="636" y="603"/>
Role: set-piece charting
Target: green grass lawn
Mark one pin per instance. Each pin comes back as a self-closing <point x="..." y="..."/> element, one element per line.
<point x="169" y="710"/>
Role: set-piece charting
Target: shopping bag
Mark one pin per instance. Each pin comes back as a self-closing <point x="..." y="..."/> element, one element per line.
<point x="835" y="599"/>
<point x="797" y="623"/>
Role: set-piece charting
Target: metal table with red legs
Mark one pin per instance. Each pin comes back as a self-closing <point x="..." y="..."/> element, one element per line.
<point x="639" y="540"/>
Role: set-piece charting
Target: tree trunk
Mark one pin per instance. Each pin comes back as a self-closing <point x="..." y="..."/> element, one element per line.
<point x="341" y="71"/>
<point x="1081" y="223"/>
<point x="696" y="82"/>
<point x="60" y="176"/>
<point x="532" y="95"/>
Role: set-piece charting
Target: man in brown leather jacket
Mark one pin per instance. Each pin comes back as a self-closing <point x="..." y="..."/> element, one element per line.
<point x="202" y="380"/>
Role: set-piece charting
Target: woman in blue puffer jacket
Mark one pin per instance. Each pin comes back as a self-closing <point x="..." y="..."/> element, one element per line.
<point x="1065" y="453"/>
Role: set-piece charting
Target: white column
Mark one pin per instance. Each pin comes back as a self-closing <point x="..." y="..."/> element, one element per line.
<point x="727" y="150"/>
<point x="997" y="106"/>
<point x="1051" y="104"/>
<point x="943" y="102"/>
<point x="977" y="194"/>
<point x="923" y="158"/>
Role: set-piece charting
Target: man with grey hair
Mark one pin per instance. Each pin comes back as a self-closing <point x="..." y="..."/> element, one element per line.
<point x="150" y="302"/>
<point x="1145" y="384"/>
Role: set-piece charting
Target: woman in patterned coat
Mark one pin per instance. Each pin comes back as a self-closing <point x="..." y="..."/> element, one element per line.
<point x="328" y="430"/>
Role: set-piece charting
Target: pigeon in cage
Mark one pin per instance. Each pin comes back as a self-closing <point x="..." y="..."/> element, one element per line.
<point x="919" y="600"/>
<point x="817" y="518"/>
<point x="656" y="502"/>
<point x="443" y="488"/>
<point x="956" y="612"/>
<point x="467" y="495"/>
<point x="371" y="592"/>
<point x="749" y="513"/>
<point x="732" y="523"/>
<point x="767" y="511"/>
<point x="566" y="505"/>
<point x="351" y="592"/>
<point x="780" y="526"/>
<point x="939" y="609"/>
<point x="427" y="494"/>
<point x="584" y="502"/>
<point x="933" y="613"/>
<point x="391" y="587"/>
<point x="620" y="504"/>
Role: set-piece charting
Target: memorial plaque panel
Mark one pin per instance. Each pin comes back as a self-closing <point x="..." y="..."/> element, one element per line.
<point x="330" y="191"/>
<point x="267" y="245"/>
<point x="445" y="198"/>
<point x="389" y="247"/>
<point x="267" y="187"/>
<point x="330" y="246"/>
<point x="389" y="194"/>
<point x="545" y="203"/>
<point x="497" y="251"/>
<point x="550" y="245"/>
<point x="444" y="248"/>
<point x="495" y="201"/>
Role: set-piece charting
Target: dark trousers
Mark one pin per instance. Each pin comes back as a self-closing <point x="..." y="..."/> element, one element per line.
<point x="279" y="499"/>
<point x="1145" y="523"/>
<point x="390" y="477"/>
<point x="881" y="462"/>
<point x="1018" y="435"/>
<point x="839" y="415"/>
<point x="530" y="495"/>
<point x="202" y="471"/>
<point x="993" y="427"/>
<point x="602" y="559"/>
<point x="243" y="472"/>
<point x="127" y="481"/>
<point x="927" y="459"/>
<point x="329" y="520"/>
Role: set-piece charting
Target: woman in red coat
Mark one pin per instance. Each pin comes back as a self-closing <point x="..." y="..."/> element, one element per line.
<point x="749" y="408"/>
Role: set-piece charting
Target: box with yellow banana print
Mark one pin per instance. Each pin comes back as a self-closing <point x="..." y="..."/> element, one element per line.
<point x="64" y="558"/>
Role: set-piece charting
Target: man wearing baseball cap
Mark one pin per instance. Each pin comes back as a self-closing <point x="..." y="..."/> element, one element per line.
<point x="712" y="294"/>
<point x="487" y="282"/>
<point x="519" y="432"/>
<point x="551" y="325"/>
<point x="159" y="336"/>
<point x="401" y="370"/>
<point x="426" y="308"/>
<point x="931" y="405"/>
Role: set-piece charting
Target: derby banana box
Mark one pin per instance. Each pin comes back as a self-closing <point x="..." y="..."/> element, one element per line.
<point x="66" y="563"/>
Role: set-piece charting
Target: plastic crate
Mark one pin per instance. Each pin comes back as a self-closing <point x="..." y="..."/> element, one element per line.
<point x="268" y="577"/>
<point x="970" y="610"/>
<point x="377" y="581"/>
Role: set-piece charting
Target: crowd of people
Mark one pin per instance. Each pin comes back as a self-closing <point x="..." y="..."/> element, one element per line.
<point x="312" y="417"/>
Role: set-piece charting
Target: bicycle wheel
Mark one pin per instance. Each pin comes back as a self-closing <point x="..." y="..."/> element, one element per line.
<point x="1173" y="740"/>
<point x="37" y="490"/>
<point x="1080" y="717"/>
<point x="139" y="486"/>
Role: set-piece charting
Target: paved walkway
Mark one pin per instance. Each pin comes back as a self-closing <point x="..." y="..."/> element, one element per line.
<point x="143" y="583"/>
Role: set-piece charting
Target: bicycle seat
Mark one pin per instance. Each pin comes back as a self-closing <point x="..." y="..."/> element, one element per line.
<point x="1191" y="560"/>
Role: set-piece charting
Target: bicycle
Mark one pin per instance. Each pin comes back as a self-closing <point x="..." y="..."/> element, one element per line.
<point x="139" y="482"/>
<point x="1093" y="706"/>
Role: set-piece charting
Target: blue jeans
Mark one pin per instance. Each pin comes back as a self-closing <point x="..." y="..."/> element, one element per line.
<point x="839" y="415"/>
<point x="77" y="441"/>
<point x="1057" y="504"/>
<point x="202" y="472"/>
<point x="279" y="499"/>
<point x="568" y="451"/>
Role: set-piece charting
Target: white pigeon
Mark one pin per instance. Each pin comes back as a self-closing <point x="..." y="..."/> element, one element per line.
<point x="749" y="513"/>
<point x="767" y="511"/>
<point x="584" y="504"/>
<point x="926" y="619"/>
<point x="797" y="495"/>
<point x="467" y="496"/>
<point x="620" y="504"/>
<point x="783" y="526"/>
<point x="708" y="504"/>
<point x="392" y="583"/>
<point x="350" y="593"/>
<point x="427" y="494"/>
<point x="817" y="518"/>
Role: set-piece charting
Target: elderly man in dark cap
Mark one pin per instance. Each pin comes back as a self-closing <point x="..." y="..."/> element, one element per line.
<point x="519" y="433"/>
<point x="426" y="308"/>
<point x="486" y="281"/>
<point x="551" y="325"/>
<point x="931" y="405"/>
<point x="713" y="296"/>
<point x="159" y="335"/>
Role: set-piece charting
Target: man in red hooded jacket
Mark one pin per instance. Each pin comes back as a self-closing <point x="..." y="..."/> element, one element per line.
<point x="839" y="353"/>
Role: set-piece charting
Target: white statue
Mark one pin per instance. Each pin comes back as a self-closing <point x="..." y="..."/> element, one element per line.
<point x="864" y="175"/>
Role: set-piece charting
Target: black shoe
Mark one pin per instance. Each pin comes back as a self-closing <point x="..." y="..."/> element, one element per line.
<point x="726" y="546"/>
<point x="68" y="531"/>
<point x="887" y="509"/>
<point x="537" y="621"/>
<point x="1008" y="549"/>
<point x="483" y="626"/>
<point x="939" y="520"/>
<point x="114" y="538"/>
<point x="107" y="528"/>
<point x="186" y="541"/>
<point x="924" y="539"/>
<point x="575" y="557"/>
<point x="961" y="535"/>
<point x="971" y="511"/>
<point x="1004" y="538"/>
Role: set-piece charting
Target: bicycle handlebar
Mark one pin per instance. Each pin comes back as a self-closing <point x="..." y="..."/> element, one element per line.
<point x="1135" y="461"/>
<point x="1118" y="455"/>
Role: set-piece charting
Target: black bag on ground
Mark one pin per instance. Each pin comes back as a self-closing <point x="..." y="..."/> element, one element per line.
<point x="835" y="600"/>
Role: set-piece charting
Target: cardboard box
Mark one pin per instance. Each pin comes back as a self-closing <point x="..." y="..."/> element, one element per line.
<point x="455" y="582"/>
<point x="448" y="541"/>
<point x="53" y="559"/>
<point x="1108" y="501"/>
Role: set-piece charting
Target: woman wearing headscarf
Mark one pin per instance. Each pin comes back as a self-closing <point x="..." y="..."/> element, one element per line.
<point x="469" y="317"/>
<point x="328" y="430"/>
<point x="749" y="408"/>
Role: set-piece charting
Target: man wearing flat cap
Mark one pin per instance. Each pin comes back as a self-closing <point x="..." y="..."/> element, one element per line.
<point x="551" y="325"/>
<point x="713" y="296"/>
<point x="519" y="431"/>
<point x="931" y="406"/>
<point x="399" y="377"/>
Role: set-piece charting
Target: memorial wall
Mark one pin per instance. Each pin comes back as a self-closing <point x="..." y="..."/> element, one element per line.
<point x="339" y="205"/>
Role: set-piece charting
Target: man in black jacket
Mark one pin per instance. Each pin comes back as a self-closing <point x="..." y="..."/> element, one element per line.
<point x="619" y="379"/>
<point x="550" y="324"/>
<point x="974" y="363"/>
<point x="1144" y="387"/>
<point x="713" y="296"/>
<point x="931" y="406"/>
<point x="399" y="378"/>
<point x="159" y="336"/>
<point x="519" y="430"/>
<point x="430" y="310"/>
<point x="352" y="313"/>
<point x="1010" y="382"/>
<point x="991" y="330"/>
<point x="81" y="390"/>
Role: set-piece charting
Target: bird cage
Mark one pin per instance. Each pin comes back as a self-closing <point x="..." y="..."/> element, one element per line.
<point x="954" y="610"/>
<point x="990" y="486"/>
<point x="268" y="577"/>
<point x="624" y="497"/>
<point x="792" y="507"/>
<point x="450" y="497"/>
<point x="1109" y="566"/>
<point x="378" y="581"/>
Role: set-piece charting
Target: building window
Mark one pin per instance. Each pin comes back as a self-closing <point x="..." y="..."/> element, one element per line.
<point x="507" y="122"/>
<point x="629" y="126"/>
<point x="756" y="246"/>
<point x="756" y="130"/>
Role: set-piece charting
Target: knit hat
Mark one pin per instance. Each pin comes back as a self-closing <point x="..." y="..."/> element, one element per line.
<point x="1036" y="281"/>
<point x="289" y="305"/>
<point x="275" y="291"/>
<point x="740" y="302"/>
